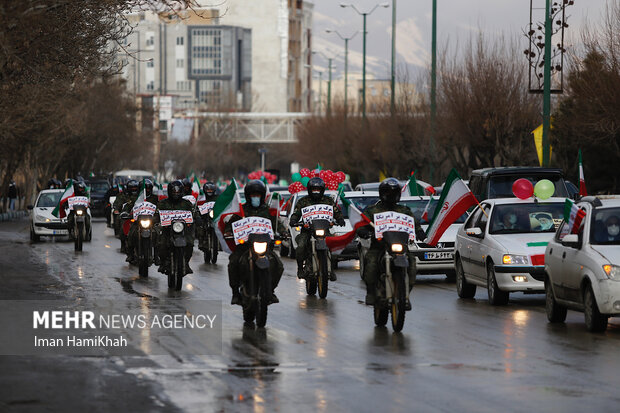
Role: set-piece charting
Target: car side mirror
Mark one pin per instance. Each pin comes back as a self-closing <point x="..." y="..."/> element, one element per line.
<point x="30" y="207"/>
<point x="571" y="240"/>
<point x="474" y="232"/>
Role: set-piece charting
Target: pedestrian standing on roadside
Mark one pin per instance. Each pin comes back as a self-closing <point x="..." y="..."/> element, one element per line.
<point x="12" y="195"/>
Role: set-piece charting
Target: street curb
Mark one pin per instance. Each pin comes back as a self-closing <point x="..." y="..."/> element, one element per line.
<point x="12" y="215"/>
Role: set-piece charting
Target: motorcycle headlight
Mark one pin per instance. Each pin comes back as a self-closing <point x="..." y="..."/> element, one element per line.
<point x="320" y="232"/>
<point x="397" y="247"/>
<point x="211" y="213"/>
<point x="178" y="227"/>
<point x="260" y="247"/>
<point x="612" y="271"/>
<point x="79" y="212"/>
<point x="145" y="223"/>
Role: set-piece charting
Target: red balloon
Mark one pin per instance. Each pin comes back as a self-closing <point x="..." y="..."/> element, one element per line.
<point x="305" y="172"/>
<point x="341" y="176"/>
<point x="522" y="188"/>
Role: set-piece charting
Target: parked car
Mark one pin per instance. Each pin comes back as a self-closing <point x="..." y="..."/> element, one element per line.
<point x="492" y="183"/>
<point x="502" y="245"/>
<point x="42" y="222"/>
<point x="583" y="269"/>
<point x="98" y="189"/>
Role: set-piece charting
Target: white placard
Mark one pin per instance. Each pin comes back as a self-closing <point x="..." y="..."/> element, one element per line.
<point x="167" y="217"/>
<point x="251" y="225"/>
<point x="190" y="198"/>
<point x="318" y="211"/>
<point x="78" y="201"/>
<point x="143" y="208"/>
<point x="206" y="207"/>
<point x="394" y="221"/>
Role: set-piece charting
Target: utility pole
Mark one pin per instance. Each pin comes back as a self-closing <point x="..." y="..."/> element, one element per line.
<point x="547" y="85"/>
<point x="431" y="145"/>
<point x="329" y="88"/>
<point x="346" y="66"/>
<point x="156" y="137"/>
<point x="196" y="123"/>
<point x="392" y="82"/>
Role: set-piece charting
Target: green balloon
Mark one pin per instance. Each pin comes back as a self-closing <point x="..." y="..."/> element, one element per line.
<point x="283" y="182"/>
<point x="304" y="181"/>
<point x="296" y="177"/>
<point x="544" y="189"/>
<point x="347" y="178"/>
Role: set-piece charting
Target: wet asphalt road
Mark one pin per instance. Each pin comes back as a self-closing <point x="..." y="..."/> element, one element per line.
<point x="327" y="355"/>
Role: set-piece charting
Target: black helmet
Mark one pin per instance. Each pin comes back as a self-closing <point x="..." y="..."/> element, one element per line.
<point x="132" y="186"/>
<point x="389" y="191"/>
<point x="255" y="187"/>
<point x="316" y="188"/>
<point x="175" y="190"/>
<point x="79" y="189"/>
<point x="51" y="184"/>
<point x="187" y="186"/>
<point x="67" y="182"/>
<point x="209" y="188"/>
<point x="148" y="187"/>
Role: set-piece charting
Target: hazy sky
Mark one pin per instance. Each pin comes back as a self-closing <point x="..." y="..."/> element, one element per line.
<point x="457" y="20"/>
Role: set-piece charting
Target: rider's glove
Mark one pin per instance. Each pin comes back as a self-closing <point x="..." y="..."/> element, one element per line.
<point x="340" y="222"/>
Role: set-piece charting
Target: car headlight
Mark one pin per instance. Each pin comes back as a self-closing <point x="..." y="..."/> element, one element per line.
<point x="397" y="247"/>
<point x="211" y="213"/>
<point x="145" y="223"/>
<point x="612" y="271"/>
<point x="178" y="227"/>
<point x="260" y="247"/>
<point x="79" y="212"/>
<point x="320" y="232"/>
<point x="515" y="259"/>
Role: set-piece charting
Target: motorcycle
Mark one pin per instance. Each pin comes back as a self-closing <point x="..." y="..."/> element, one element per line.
<point x="318" y="265"/>
<point x="210" y="242"/>
<point x="256" y="289"/>
<point x="177" y="269"/>
<point x="107" y="211"/>
<point x="80" y="214"/>
<point x="393" y="283"/>
<point x="145" y="244"/>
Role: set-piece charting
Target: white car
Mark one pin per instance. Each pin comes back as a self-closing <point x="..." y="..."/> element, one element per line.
<point x="502" y="245"/>
<point x="42" y="222"/>
<point x="583" y="269"/>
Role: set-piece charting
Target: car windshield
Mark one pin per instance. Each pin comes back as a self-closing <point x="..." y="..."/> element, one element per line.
<point x="49" y="200"/>
<point x="526" y="218"/>
<point x="360" y="202"/>
<point x="418" y="205"/>
<point x="500" y="186"/>
<point x="605" y="226"/>
<point x="101" y="186"/>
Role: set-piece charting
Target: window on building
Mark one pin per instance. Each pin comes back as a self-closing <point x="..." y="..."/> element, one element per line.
<point x="206" y="51"/>
<point x="386" y="92"/>
<point x="184" y="85"/>
<point x="150" y="63"/>
<point x="150" y="41"/>
<point x="150" y="85"/>
<point x="180" y="63"/>
<point x="180" y="41"/>
<point x="210" y="92"/>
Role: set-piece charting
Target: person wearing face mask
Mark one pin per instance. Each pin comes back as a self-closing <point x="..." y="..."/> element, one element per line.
<point x="316" y="195"/>
<point x="254" y="206"/>
<point x="613" y="228"/>
<point x="509" y="220"/>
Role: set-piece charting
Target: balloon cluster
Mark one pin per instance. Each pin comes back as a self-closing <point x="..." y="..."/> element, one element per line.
<point x="269" y="177"/>
<point x="301" y="178"/>
<point x="523" y="189"/>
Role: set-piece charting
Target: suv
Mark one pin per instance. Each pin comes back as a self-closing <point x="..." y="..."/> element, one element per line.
<point x="98" y="190"/>
<point x="583" y="269"/>
<point x="490" y="183"/>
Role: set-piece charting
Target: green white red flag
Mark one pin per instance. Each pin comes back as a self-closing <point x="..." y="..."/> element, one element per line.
<point x="60" y="210"/>
<point x="573" y="215"/>
<point x="226" y="205"/>
<point x="455" y="199"/>
<point x="417" y="187"/>
<point x="582" y="179"/>
<point x="357" y="220"/>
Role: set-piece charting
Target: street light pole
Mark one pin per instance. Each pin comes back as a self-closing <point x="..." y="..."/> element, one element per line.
<point x="392" y="101"/>
<point x="329" y="88"/>
<point x="547" y="85"/>
<point x="346" y="65"/>
<point x="433" y="92"/>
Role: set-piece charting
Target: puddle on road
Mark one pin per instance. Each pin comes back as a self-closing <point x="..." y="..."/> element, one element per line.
<point x="127" y="285"/>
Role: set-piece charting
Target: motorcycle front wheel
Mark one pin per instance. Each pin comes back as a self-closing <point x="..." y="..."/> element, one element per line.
<point x="216" y="245"/>
<point x="263" y="298"/>
<point x="398" y="299"/>
<point x="145" y="249"/>
<point x="323" y="277"/>
<point x="79" y="237"/>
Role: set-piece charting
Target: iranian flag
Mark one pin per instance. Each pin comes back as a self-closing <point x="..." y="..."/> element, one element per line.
<point x="417" y="187"/>
<point x="274" y="200"/>
<point x="582" y="179"/>
<point x="573" y="215"/>
<point x="59" y="211"/>
<point x="455" y="199"/>
<point x="426" y="208"/>
<point x="141" y="194"/>
<point x="197" y="190"/>
<point x="357" y="220"/>
<point x="227" y="204"/>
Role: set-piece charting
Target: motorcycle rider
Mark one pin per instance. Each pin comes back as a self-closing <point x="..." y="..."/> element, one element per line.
<point x="389" y="195"/>
<point x="128" y="195"/>
<point x="112" y="191"/>
<point x="132" y="237"/>
<point x="254" y="206"/>
<point x="79" y="189"/>
<point x="210" y="191"/>
<point x="316" y="195"/>
<point x="175" y="202"/>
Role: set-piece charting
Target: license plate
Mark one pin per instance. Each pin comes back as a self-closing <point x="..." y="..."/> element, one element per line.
<point x="60" y="232"/>
<point x="438" y="255"/>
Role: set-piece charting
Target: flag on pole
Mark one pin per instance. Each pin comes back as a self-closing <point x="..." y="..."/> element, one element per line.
<point x="573" y="215"/>
<point x="197" y="191"/>
<point x="426" y="209"/>
<point x="582" y="179"/>
<point x="59" y="211"/>
<point x="141" y="194"/>
<point x="538" y="135"/>
<point x="357" y="220"/>
<point x="227" y="204"/>
<point x="417" y="187"/>
<point x="455" y="199"/>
